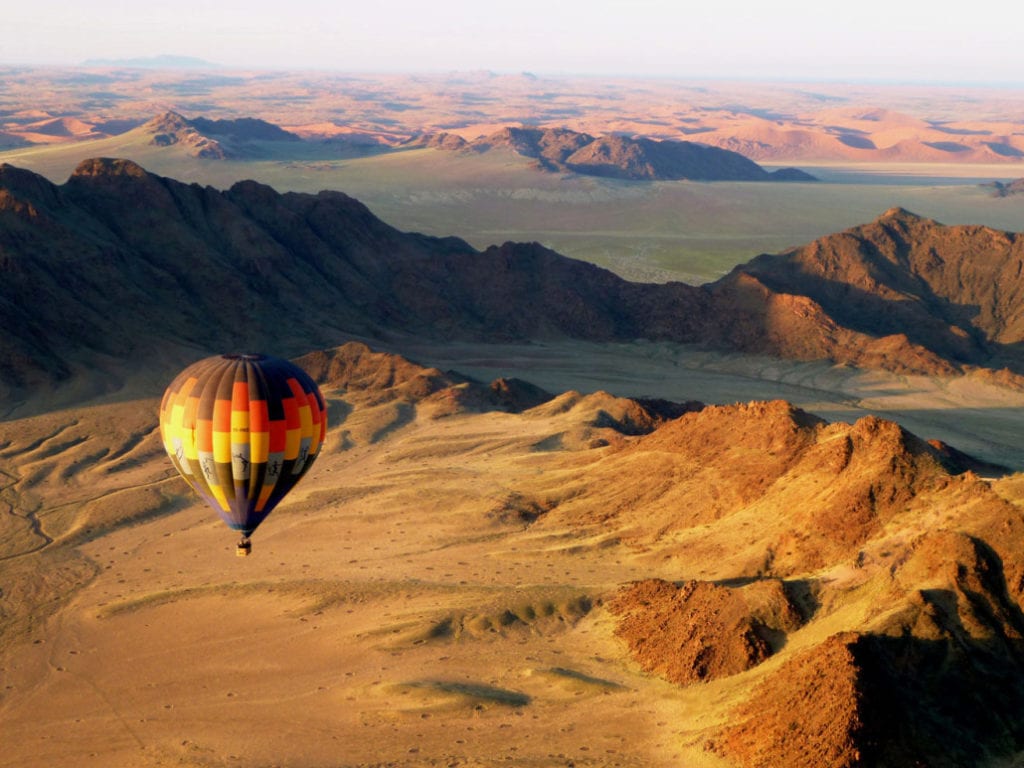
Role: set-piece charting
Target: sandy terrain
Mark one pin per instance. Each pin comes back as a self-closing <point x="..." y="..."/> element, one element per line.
<point x="396" y="610"/>
<point x="330" y="645"/>
<point x="793" y="122"/>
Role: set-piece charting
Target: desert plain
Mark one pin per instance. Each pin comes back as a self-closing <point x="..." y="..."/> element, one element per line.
<point x="455" y="582"/>
<point x="400" y="608"/>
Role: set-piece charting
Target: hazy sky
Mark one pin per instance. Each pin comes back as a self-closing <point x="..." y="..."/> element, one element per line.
<point x="890" y="40"/>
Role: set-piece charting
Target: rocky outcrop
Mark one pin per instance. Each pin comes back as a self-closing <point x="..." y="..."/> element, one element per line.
<point x="701" y="631"/>
<point x="622" y="157"/>
<point x="213" y="139"/>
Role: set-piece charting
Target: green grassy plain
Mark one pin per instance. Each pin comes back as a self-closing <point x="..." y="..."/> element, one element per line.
<point x="644" y="231"/>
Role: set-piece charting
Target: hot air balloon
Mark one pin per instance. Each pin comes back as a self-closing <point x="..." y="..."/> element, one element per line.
<point x="243" y="430"/>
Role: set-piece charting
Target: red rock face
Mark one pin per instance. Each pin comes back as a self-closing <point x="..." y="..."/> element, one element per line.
<point x="915" y="569"/>
<point x="701" y="631"/>
<point x="809" y="713"/>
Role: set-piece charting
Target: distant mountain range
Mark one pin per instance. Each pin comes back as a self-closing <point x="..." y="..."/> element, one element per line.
<point x="621" y="157"/>
<point x="781" y="123"/>
<point x="118" y="262"/>
<point x="163" y="61"/>
<point x="553" y="149"/>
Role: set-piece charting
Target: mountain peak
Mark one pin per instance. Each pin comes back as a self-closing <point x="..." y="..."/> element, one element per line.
<point x="169" y="120"/>
<point x="108" y="166"/>
<point x="172" y="128"/>
<point x="898" y="213"/>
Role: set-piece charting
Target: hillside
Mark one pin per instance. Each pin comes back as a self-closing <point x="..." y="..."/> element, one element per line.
<point x="213" y="139"/>
<point x="557" y="577"/>
<point x="614" y="156"/>
<point x="98" y="256"/>
<point x="958" y="291"/>
<point x="782" y="522"/>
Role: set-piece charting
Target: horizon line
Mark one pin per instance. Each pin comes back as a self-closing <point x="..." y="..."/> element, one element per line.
<point x="164" y="63"/>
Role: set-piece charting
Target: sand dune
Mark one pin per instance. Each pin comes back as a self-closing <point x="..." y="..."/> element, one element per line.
<point x="777" y="122"/>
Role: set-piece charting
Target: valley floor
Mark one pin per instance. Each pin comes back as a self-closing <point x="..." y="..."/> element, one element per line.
<point x="968" y="412"/>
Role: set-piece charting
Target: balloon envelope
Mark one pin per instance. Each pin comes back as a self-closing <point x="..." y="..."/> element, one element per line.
<point x="243" y="430"/>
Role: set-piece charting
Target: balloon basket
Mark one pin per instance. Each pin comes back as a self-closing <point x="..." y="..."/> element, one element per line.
<point x="244" y="548"/>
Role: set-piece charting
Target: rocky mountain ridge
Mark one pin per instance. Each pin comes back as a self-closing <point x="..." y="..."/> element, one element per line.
<point x="616" y="156"/>
<point x="89" y="264"/>
<point x="809" y="519"/>
<point x="212" y="139"/>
